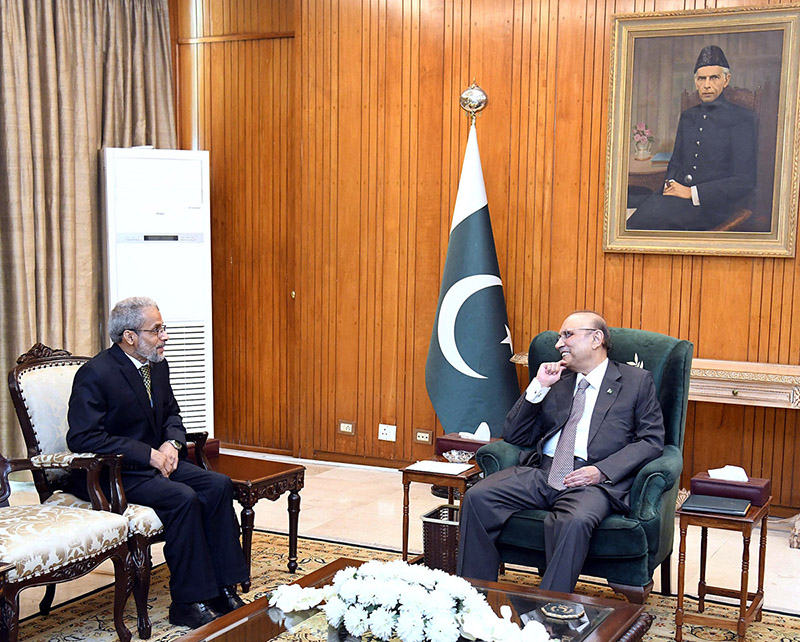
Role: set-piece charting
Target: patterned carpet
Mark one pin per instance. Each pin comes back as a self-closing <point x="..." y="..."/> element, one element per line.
<point x="89" y="618"/>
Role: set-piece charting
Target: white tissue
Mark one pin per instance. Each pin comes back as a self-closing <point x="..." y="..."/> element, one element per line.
<point x="728" y="473"/>
<point x="482" y="433"/>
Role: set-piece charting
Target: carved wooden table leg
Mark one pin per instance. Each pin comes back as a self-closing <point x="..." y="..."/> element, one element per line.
<point x="406" y="485"/>
<point x="762" y="562"/>
<point x="701" y="586"/>
<point x="254" y="479"/>
<point x="248" y="517"/>
<point x="742" y="624"/>
<point x="294" y="512"/>
<point x="681" y="578"/>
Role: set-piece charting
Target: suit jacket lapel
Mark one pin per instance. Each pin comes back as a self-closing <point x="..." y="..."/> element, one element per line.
<point x="134" y="379"/>
<point x="606" y="396"/>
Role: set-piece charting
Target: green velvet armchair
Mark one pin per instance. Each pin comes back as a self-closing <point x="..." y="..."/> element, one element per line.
<point x="625" y="549"/>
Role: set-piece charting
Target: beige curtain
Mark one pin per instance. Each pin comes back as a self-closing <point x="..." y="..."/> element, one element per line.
<point x="77" y="76"/>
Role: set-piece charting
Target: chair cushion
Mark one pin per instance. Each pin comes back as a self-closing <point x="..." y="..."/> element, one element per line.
<point x="142" y="520"/>
<point x="39" y="539"/>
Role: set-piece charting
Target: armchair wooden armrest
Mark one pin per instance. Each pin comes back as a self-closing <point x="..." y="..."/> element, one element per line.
<point x="199" y="439"/>
<point x="92" y="464"/>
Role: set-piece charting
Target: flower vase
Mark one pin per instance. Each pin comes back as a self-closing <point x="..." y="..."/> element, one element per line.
<point x="642" y="148"/>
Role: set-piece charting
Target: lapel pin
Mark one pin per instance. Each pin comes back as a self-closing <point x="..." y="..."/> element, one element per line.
<point x="610" y="391"/>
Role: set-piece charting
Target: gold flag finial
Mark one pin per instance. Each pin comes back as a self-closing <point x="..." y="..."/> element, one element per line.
<point x="472" y="100"/>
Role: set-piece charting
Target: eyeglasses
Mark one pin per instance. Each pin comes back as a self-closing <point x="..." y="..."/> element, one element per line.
<point x="568" y="334"/>
<point x="161" y="329"/>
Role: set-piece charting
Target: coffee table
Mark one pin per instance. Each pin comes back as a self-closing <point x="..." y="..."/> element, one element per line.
<point x="605" y="621"/>
<point x="255" y="479"/>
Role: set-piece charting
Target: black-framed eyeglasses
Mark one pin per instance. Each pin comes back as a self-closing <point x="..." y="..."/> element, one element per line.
<point x="161" y="329"/>
<point x="568" y="334"/>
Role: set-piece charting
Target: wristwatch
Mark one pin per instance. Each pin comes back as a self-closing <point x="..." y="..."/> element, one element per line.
<point x="175" y="444"/>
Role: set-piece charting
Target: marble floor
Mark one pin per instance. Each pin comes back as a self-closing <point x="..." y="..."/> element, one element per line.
<point x="363" y="505"/>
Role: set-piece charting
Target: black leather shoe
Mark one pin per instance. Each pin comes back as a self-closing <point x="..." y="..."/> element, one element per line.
<point x="191" y="614"/>
<point x="226" y="601"/>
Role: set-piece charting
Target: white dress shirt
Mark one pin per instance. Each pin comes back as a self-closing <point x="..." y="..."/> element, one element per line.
<point x="535" y="392"/>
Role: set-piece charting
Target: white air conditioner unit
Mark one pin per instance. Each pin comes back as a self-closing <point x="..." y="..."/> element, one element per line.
<point x="159" y="245"/>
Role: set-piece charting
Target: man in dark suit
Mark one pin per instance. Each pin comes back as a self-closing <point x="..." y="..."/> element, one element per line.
<point x="122" y="402"/>
<point x="592" y="423"/>
<point x="712" y="171"/>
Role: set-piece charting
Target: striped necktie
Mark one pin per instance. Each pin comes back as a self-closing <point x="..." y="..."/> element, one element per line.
<point x="564" y="456"/>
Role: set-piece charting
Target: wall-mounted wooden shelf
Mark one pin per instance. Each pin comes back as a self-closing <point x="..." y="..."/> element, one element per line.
<point x="745" y="383"/>
<point x="737" y="382"/>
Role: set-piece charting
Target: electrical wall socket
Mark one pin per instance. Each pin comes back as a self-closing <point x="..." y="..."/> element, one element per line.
<point x="423" y="436"/>
<point x="347" y="427"/>
<point x="387" y="432"/>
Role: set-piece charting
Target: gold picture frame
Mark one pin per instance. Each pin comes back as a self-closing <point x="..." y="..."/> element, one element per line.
<point x="652" y="83"/>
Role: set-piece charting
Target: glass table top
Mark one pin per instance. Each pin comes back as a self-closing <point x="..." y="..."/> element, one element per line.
<point x="600" y="620"/>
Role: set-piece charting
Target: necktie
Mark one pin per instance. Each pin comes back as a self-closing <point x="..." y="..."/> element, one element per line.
<point x="145" y="372"/>
<point x="564" y="456"/>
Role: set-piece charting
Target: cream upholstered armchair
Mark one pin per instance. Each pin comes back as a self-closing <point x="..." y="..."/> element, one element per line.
<point x="44" y="544"/>
<point x="40" y="386"/>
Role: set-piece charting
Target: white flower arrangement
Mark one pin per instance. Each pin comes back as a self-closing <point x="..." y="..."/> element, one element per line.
<point x="412" y="603"/>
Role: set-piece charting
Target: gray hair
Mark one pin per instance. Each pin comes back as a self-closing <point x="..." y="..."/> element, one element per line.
<point x="128" y="314"/>
<point x="601" y="324"/>
<point x="726" y="71"/>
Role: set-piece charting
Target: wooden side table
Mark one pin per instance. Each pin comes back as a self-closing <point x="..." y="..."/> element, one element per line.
<point x="756" y="515"/>
<point x="451" y="482"/>
<point x="255" y="479"/>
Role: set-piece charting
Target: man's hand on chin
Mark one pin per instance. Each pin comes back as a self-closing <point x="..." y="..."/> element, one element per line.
<point x="550" y="372"/>
<point x="586" y="476"/>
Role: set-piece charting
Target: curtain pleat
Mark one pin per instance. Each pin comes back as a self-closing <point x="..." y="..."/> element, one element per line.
<point x="77" y="76"/>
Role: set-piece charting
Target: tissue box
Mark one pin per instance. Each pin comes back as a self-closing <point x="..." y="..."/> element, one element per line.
<point x="451" y="441"/>
<point x="756" y="489"/>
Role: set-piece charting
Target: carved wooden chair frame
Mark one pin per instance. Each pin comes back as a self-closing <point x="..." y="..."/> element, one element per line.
<point x="140" y="544"/>
<point x="119" y="554"/>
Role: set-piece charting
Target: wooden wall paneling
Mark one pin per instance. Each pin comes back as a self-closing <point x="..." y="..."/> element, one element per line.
<point x="414" y="326"/>
<point x="367" y="299"/>
<point x="786" y="354"/>
<point x="762" y="328"/>
<point x="427" y="205"/>
<point x="587" y="214"/>
<point x="381" y="203"/>
<point x="345" y="217"/>
<point x="243" y="127"/>
<point x="308" y="377"/>
<point x="407" y="173"/>
<point x="721" y="332"/>
<point x="540" y="147"/>
<point x="517" y="167"/>
<point x="379" y="144"/>
<point x="598" y="35"/>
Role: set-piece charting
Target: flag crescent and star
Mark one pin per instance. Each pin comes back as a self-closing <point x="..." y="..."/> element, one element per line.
<point x="469" y="377"/>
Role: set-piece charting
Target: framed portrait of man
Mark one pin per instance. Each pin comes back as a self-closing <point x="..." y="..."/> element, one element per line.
<point x="704" y="122"/>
